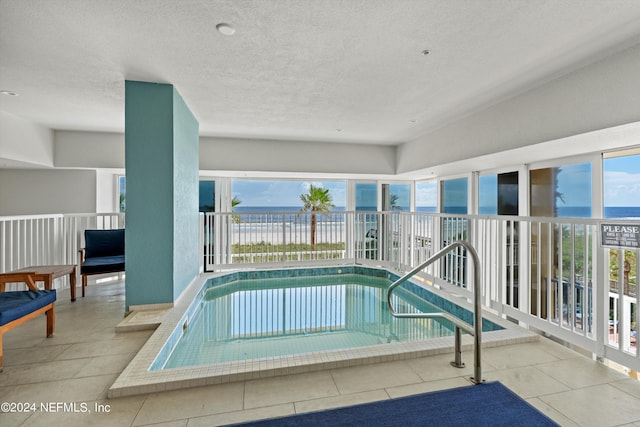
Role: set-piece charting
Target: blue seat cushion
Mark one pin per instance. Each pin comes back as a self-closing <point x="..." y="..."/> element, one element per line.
<point x="103" y="243"/>
<point x="103" y="264"/>
<point x="16" y="304"/>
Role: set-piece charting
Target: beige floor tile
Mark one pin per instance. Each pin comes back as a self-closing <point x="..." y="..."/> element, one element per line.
<point x="427" y="387"/>
<point x="340" y="401"/>
<point x="36" y="372"/>
<point x="177" y="423"/>
<point x="275" y="411"/>
<point x="105" y="365"/>
<point x="512" y="356"/>
<point x="557" y="350"/>
<point x="80" y="332"/>
<point x="551" y="413"/>
<point x="439" y="367"/>
<point x="99" y="413"/>
<point x="527" y="381"/>
<point x="101" y="348"/>
<point x="628" y="385"/>
<point x="290" y="388"/>
<point x="13" y="419"/>
<point x="580" y="372"/>
<point x="69" y="390"/>
<point x="26" y="355"/>
<point x="18" y="338"/>
<point x="194" y="402"/>
<point x="598" y="406"/>
<point x="72" y="335"/>
<point x="373" y="377"/>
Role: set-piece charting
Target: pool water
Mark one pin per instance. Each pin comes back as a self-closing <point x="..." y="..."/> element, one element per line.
<point x="275" y="317"/>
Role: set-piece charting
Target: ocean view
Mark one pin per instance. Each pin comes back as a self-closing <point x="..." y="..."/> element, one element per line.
<point x="609" y="212"/>
<point x="563" y="211"/>
<point x="622" y="212"/>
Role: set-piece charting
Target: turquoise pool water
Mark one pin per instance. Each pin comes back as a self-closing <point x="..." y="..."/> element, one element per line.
<point x="270" y="314"/>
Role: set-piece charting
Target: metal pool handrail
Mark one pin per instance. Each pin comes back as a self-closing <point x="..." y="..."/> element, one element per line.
<point x="476" y="329"/>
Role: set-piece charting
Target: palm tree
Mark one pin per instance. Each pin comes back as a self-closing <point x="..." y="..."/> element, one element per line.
<point x="123" y="202"/>
<point x="318" y="200"/>
<point x="235" y="202"/>
<point x="393" y="203"/>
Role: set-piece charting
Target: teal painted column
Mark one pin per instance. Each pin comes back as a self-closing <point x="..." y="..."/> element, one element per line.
<point x="162" y="226"/>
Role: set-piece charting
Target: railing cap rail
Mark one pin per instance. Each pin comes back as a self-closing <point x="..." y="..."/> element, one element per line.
<point x="26" y="217"/>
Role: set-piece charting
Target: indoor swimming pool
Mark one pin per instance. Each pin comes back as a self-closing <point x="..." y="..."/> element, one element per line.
<point x="258" y="318"/>
<point x="250" y="324"/>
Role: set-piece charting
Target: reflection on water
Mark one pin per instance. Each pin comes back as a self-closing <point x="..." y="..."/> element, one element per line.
<point x="278" y="317"/>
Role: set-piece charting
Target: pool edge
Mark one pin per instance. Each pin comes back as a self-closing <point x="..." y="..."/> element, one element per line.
<point x="136" y="378"/>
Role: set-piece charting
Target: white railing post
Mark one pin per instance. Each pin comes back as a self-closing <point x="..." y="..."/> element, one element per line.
<point x="601" y="299"/>
<point x="284" y="237"/>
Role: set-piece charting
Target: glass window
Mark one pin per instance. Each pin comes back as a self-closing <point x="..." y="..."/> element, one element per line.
<point x="622" y="200"/>
<point x="622" y="186"/>
<point x="367" y="227"/>
<point x="122" y="194"/>
<point x="282" y="196"/>
<point x="508" y="193"/>
<point x="207" y="196"/>
<point x="396" y="197"/>
<point x="454" y="196"/>
<point x="366" y="197"/>
<point x="498" y="194"/>
<point x="454" y="201"/>
<point x="488" y="195"/>
<point x="426" y="197"/>
<point x="563" y="191"/>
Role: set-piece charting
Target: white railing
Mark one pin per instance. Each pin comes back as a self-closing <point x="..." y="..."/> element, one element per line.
<point x="47" y="240"/>
<point x="549" y="274"/>
<point x="275" y="238"/>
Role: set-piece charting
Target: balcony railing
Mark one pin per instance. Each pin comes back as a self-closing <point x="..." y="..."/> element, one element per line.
<point x="546" y="273"/>
<point x="48" y="240"/>
<point x="275" y="238"/>
<point x="550" y="274"/>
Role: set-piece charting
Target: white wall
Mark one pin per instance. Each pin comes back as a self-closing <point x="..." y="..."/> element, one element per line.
<point x="88" y="149"/>
<point x="24" y="141"/>
<point x="599" y="96"/>
<point x="106" y="190"/>
<point x="106" y="150"/>
<point x="295" y="157"/>
<point x="36" y="191"/>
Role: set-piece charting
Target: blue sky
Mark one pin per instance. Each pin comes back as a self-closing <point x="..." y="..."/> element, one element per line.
<point x="574" y="183"/>
<point x="622" y="181"/>
<point x="426" y="194"/>
<point x="284" y="193"/>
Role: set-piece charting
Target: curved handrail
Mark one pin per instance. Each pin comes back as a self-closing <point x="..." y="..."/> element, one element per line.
<point x="477" y="307"/>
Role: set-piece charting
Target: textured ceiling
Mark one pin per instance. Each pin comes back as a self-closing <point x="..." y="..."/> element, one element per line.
<point x="340" y="71"/>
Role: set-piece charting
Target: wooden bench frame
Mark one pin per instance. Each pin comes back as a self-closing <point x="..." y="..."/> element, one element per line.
<point x="47" y="309"/>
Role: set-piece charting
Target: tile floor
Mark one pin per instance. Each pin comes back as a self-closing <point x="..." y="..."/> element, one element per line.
<point x="70" y="373"/>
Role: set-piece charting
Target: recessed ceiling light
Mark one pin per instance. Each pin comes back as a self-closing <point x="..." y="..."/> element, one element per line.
<point x="8" y="93"/>
<point x="426" y="52"/>
<point x="225" y="29"/>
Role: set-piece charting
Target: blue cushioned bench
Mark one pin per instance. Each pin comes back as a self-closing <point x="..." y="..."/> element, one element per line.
<point x="103" y="253"/>
<point x="17" y="307"/>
